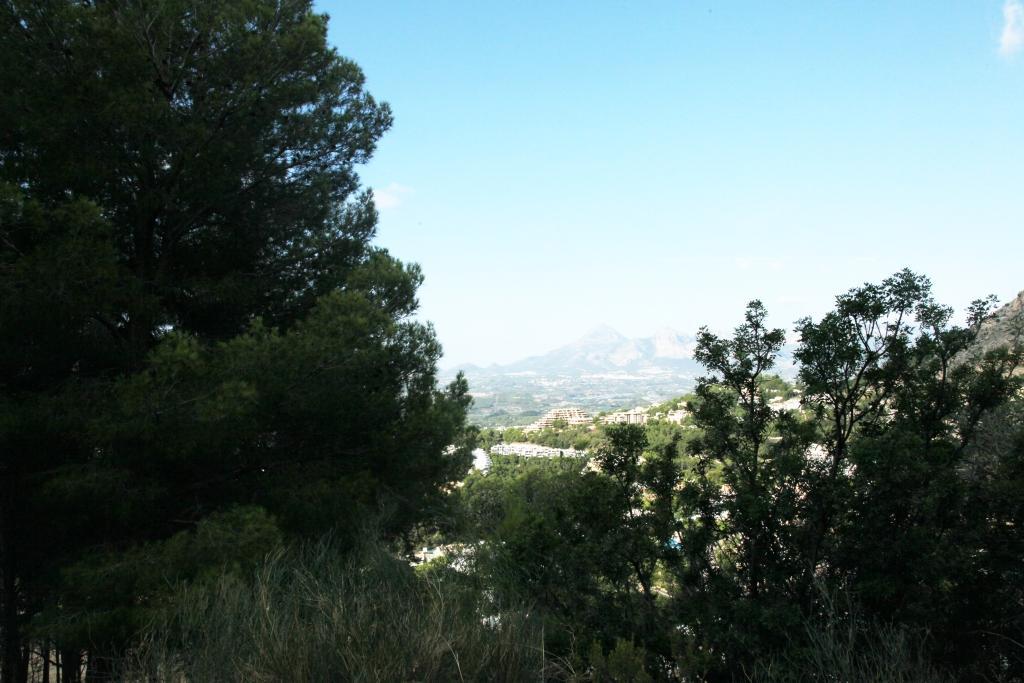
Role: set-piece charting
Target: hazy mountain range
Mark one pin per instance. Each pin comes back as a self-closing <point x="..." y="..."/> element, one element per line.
<point x="602" y="370"/>
<point x="605" y="370"/>
<point x="604" y="350"/>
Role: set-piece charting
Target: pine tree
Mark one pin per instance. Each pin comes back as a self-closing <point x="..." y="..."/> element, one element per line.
<point x="201" y="350"/>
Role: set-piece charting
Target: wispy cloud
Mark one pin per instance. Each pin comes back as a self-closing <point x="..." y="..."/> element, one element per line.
<point x="391" y="196"/>
<point x="1012" y="38"/>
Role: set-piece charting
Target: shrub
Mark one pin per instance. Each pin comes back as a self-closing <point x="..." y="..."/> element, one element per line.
<point x="313" y="614"/>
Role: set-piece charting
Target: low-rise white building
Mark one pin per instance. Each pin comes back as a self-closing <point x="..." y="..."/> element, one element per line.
<point x="481" y="460"/>
<point x="677" y="416"/>
<point x="532" y="450"/>
<point x="636" y="416"/>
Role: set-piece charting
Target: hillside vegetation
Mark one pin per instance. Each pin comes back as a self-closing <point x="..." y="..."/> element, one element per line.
<point x="225" y="454"/>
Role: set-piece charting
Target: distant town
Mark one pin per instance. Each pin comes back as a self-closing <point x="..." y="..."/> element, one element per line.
<point x="601" y="371"/>
<point x="575" y="419"/>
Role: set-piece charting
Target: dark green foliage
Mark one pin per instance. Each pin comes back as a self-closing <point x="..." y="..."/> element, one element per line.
<point x="219" y="140"/>
<point x="776" y="387"/>
<point x="625" y="663"/>
<point x="737" y="540"/>
<point x="101" y="592"/>
<point x="580" y="438"/>
<point x="197" y="338"/>
<point x="203" y="359"/>
<point x="513" y="434"/>
<point x="487" y="437"/>
<point x="871" y="535"/>
<point x="875" y="496"/>
<point x="841" y="645"/>
<point x="319" y="615"/>
<point x="542" y="535"/>
<point x="558" y="436"/>
<point x="580" y="544"/>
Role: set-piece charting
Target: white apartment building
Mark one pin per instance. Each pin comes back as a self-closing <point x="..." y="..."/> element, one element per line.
<point x="532" y="450"/>
<point x="573" y="417"/>
<point x="636" y="416"/>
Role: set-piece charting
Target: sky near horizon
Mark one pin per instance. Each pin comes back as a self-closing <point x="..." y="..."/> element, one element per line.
<point x="555" y="166"/>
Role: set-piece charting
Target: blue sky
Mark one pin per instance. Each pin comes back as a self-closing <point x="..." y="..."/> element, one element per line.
<point x="556" y="165"/>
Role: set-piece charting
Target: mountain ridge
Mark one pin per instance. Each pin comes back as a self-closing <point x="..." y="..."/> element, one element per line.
<point x="603" y="350"/>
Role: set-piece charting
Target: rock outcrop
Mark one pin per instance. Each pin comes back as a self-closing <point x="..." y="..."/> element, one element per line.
<point x="1004" y="328"/>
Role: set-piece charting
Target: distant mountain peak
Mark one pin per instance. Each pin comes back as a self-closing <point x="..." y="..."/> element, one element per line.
<point x="606" y="350"/>
<point x="604" y="334"/>
<point x="670" y="344"/>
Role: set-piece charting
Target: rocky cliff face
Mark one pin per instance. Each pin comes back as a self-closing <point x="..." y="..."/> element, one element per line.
<point x="1005" y="328"/>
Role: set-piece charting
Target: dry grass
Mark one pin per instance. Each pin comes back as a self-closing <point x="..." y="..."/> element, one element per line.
<point x="312" y="615"/>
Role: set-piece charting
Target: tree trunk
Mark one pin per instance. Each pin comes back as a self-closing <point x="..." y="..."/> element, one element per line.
<point x="99" y="668"/>
<point x="10" y="671"/>
<point x="70" y="664"/>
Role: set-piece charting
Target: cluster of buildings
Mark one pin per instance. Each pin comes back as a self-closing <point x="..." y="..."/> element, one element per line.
<point x="778" y="403"/>
<point x="572" y="417"/>
<point x="532" y="450"/>
<point x="639" y="416"/>
<point x="636" y="416"/>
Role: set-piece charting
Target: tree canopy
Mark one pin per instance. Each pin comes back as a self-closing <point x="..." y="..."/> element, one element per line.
<point x="208" y="368"/>
<point x="202" y="350"/>
<point x="872" y="534"/>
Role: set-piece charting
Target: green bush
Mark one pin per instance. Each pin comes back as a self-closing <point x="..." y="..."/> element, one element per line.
<point x="315" y="615"/>
<point x="845" y="647"/>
